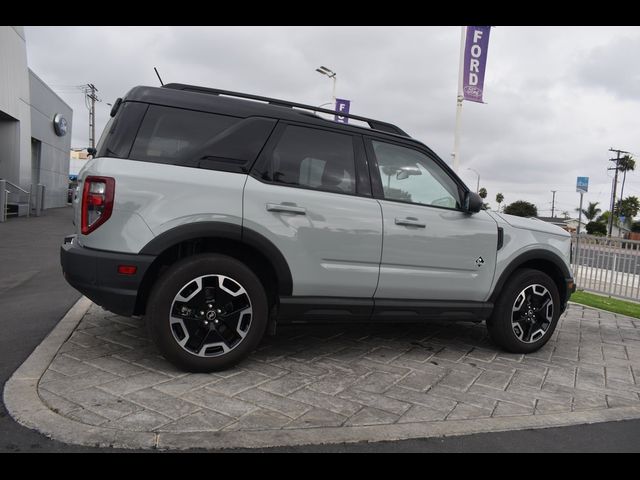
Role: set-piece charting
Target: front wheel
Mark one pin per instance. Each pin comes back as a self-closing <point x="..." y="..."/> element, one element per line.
<point x="526" y="313"/>
<point x="207" y="312"/>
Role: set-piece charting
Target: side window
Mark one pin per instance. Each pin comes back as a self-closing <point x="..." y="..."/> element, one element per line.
<point x="315" y="159"/>
<point x="176" y="136"/>
<point x="410" y="176"/>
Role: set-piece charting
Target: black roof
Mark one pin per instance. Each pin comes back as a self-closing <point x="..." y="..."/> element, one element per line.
<point x="244" y="105"/>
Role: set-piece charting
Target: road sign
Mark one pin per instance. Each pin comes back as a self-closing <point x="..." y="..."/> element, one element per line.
<point x="582" y="185"/>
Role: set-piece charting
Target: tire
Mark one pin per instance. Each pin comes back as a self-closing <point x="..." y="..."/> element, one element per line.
<point x="207" y="312"/>
<point x="525" y="330"/>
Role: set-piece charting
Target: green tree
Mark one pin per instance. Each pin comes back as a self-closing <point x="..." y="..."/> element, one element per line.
<point x="627" y="208"/>
<point x="591" y="212"/>
<point x="499" y="199"/>
<point x="626" y="164"/>
<point x="596" y="228"/>
<point x="483" y="193"/>
<point x="521" y="208"/>
<point x="388" y="171"/>
<point x="635" y="227"/>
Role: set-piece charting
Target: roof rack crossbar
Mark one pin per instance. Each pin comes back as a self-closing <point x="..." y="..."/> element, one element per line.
<point x="373" y="124"/>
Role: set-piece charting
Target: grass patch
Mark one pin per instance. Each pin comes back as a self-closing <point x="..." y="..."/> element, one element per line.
<point x="606" y="303"/>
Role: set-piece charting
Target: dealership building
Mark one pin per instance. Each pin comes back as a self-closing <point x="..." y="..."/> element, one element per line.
<point x="35" y="131"/>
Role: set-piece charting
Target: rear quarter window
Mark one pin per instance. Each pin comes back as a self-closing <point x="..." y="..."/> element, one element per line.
<point x="176" y="136"/>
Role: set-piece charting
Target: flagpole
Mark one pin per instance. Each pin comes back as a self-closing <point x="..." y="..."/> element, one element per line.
<point x="456" y="138"/>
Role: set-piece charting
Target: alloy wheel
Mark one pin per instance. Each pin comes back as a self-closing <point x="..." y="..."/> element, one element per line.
<point x="210" y="315"/>
<point x="532" y="313"/>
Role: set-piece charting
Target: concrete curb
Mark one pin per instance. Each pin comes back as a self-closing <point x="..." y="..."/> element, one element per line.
<point x="27" y="408"/>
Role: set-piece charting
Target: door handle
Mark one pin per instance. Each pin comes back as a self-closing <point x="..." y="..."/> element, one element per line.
<point x="280" y="207"/>
<point x="410" y="222"/>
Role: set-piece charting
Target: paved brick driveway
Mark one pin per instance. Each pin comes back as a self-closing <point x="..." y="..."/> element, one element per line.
<point x="108" y="374"/>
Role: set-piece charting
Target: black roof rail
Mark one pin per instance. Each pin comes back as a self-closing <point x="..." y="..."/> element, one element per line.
<point x="373" y="124"/>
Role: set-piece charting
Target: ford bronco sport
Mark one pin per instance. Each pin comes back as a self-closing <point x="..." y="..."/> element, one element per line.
<point x="216" y="214"/>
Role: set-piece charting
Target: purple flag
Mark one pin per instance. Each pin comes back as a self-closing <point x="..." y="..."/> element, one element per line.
<point x="342" y="105"/>
<point x="475" y="60"/>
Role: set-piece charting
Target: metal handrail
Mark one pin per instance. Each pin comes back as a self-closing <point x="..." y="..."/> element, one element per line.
<point x="28" y="192"/>
<point x="16" y="186"/>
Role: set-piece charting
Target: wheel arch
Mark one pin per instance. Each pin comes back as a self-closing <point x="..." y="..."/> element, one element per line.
<point x="243" y="244"/>
<point x="542" y="260"/>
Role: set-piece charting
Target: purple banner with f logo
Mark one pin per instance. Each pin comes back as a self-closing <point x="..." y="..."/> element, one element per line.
<point x="475" y="60"/>
<point x="342" y="106"/>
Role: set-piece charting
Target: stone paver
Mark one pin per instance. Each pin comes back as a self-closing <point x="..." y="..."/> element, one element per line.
<point x="108" y="374"/>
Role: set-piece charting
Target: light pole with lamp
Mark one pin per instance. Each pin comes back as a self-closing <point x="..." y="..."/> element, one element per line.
<point x="478" y="184"/>
<point x="332" y="75"/>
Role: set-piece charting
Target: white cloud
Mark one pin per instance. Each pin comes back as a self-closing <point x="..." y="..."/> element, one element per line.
<point x="558" y="97"/>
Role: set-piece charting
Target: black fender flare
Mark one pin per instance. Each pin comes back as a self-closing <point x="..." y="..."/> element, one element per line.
<point x="227" y="231"/>
<point x="520" y="260"/>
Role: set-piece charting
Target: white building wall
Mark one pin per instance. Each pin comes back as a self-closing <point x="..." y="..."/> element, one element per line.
<point x="15" y="112"/>
<point x="54" y="152"/>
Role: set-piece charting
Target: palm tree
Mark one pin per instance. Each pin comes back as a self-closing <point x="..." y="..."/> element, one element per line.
<point x="499" y="199"/>
<point x="626" y="164"/>
<point x="591" y="212"/>
<point x="565" y="214"/>
<point x="388" y="171"/>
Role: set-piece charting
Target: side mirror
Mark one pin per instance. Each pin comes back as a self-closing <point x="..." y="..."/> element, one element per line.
<point x="92" y="151"/>
<point x="406" y="172"/>
<point x="473" y="202"/>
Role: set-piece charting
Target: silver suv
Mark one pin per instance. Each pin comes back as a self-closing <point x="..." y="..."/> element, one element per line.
<point x="216" y="214"/>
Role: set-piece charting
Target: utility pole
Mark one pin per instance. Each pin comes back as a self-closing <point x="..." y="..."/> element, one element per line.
<point x="615" y="185"/>
<point x="92" y="115"/>
<point x="90" y="101"/>
<point x="553" y="202"/>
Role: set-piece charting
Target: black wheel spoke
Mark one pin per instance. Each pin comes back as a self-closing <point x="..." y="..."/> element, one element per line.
<point x="541" y="307"/>
<point x="197" y="339"/>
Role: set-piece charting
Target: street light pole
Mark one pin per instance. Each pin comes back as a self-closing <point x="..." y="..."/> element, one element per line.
<point x="478" y="183"/>
<point x="332" y="75"/>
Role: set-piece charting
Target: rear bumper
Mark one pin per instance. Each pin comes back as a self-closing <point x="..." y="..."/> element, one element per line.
<point x="95" y="274"/>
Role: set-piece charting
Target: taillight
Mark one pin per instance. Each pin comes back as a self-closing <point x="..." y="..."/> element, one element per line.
<point x="97" y="202"/>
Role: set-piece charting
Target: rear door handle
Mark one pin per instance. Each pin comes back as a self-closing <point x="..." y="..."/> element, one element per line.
<point x="280" y="207"/>
<point x="410" y="222"/>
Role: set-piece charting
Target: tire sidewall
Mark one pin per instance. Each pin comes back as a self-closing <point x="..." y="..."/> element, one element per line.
<point x="499" y="325"/>
<point x="173" y="280"/>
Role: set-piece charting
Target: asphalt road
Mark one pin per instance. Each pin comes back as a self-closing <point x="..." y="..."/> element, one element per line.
<point x="34" y="297"/>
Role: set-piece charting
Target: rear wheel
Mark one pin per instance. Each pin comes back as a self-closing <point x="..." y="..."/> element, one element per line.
<point x="207" y="312"/>
<point x="526" y="313"/>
